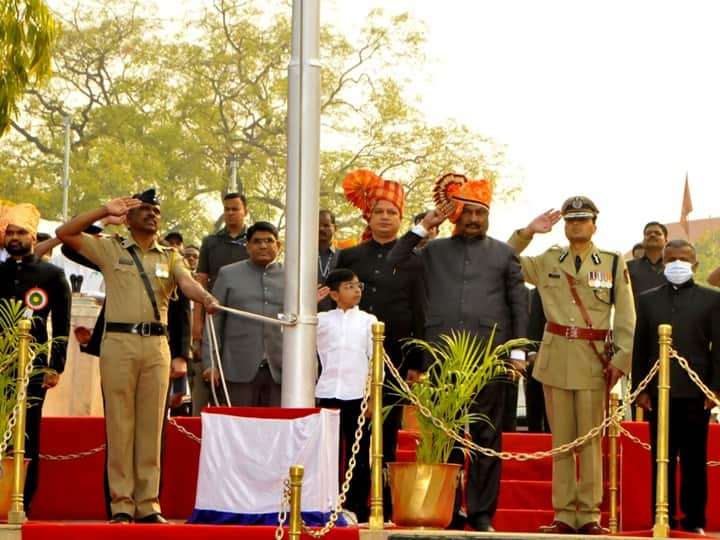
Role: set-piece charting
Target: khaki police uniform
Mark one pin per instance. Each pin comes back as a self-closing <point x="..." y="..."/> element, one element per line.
<point x="572" y="374"/>
<point x="134" y="368"/>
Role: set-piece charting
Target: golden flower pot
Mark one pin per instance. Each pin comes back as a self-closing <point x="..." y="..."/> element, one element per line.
<point x="7" y="475"/>
<point x="423" y="494"/>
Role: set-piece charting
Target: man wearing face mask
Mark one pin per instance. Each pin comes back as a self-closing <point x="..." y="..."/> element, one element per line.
<point x="694" y="313"/>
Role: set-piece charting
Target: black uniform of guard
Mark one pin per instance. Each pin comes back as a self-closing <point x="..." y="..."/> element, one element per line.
<point x="16" y="278"/>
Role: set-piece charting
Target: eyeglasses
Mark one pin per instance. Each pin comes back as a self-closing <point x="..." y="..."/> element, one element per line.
<point x="351" y="286"/>
<point x="267" y="240"/>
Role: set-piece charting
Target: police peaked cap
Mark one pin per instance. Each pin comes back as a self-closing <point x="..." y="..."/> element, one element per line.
<point x="579" y="207"/>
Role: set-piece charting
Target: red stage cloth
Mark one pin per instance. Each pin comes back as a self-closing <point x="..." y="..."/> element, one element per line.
<point x="636" y="477"/>
<point x="86" y="531"/>
<point x="73" y="489"/>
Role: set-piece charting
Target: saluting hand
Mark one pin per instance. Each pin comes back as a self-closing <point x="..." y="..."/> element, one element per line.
<point x="544" y="222"/>
<point x="435" y="217"/>
<point x="121" y="205"/>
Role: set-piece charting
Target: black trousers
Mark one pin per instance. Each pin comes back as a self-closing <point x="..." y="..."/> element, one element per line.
<point x="688" y="436"/>
<point x="483" y="479"/>
<point x="357" y="496"/>
<point x="535" y="406"/>
<point x="36" y="398"/>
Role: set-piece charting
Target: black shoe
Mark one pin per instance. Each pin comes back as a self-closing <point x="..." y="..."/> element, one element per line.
<point x="458" y="522"/>
<point x="152" y="518"/>
<point x="480" y="523"/>
<point x="121" y="517"/>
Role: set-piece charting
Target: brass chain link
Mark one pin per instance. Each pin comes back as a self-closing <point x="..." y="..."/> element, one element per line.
<point x="522" y="456"/>
<point x="189" y="434"/>
<point x="332" y="520"/>
<point x="696" y="379"/>
<point x="87" y="453"/>
<point x="284" y="506"/>
<point x="77" y="455"/>
<point x="21" y="398"/>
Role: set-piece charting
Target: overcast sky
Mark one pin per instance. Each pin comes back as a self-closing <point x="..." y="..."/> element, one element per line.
<point x="615" y="100"/>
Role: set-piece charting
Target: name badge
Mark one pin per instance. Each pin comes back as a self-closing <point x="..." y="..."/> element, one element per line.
<point x="600" y="280"/>
<point x="161" y="271"/>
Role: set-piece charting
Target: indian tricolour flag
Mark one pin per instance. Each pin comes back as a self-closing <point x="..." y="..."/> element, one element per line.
<point x="246" y="455"/>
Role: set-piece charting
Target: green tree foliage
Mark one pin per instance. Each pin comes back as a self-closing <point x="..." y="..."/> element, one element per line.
<point x="708" y="254"/>
<point x="27" y="34"/>
<point x="148" y="108"/>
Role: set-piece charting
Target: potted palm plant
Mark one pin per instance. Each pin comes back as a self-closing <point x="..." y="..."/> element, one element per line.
<point x="462" y="364"/>
<point x="11" y="313"/>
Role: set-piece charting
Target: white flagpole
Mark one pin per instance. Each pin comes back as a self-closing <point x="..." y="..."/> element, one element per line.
<point x="303" y="172"/>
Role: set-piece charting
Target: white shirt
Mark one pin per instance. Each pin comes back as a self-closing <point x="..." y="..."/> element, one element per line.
<point x="344" y="344"/>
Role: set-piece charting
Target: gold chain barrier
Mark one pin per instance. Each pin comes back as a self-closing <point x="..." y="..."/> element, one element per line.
<point x="375" y="374"/>
<point x="614" y="416"/>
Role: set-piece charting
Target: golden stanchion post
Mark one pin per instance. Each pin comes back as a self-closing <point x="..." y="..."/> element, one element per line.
<point x="613" y="450"/>
<point x="295" y="525"/>
<point x="661" y="529"/>
<point x="17" y="511"/>
<point x="639" y="414"/>
<point x="376" y="520"/>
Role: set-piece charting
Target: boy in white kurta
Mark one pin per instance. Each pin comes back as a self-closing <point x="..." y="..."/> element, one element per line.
<point x="344" y="344"/>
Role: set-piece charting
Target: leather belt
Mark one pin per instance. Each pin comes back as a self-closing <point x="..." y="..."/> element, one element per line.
<point x="141" y="328"/>
<point x="574" y="332"/>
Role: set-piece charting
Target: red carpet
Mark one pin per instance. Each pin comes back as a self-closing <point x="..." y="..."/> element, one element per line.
<point x="73" y="489"/>
<point x="525" y="493"/>
<point x="101" y="531"/>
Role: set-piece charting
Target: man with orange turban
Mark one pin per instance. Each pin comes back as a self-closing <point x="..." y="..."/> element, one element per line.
<point x="474" y="283"/>
<point x="43" y="290"/>
<point x="394" y="293"/>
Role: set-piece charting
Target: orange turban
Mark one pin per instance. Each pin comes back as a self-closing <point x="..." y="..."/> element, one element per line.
<point x="23" y="215"/>
<point x="363" y="189"/>
<point x="4" y="209"/>
<point x="461" y="190"/>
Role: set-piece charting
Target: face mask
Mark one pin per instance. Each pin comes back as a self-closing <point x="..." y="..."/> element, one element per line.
<point x="678" y="272"/>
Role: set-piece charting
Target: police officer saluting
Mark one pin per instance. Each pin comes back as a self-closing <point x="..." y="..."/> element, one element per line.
<point x="578" y="360"/>
<point x="140" y="276"/>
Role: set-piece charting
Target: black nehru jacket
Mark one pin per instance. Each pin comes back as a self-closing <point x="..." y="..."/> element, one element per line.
<point x="645" y="275"/>
<point x="694" y="313"/>
<point x="394" y="294"/>
<point x="17" y="277"/>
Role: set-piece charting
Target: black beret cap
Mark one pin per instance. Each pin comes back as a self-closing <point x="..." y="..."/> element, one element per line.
<point x="147" y="196"/>
<point x="579" y="207"/>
